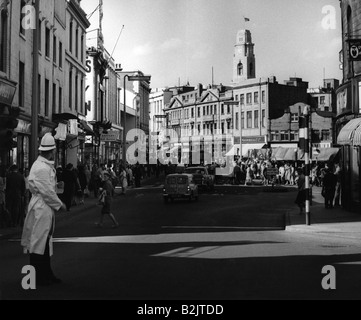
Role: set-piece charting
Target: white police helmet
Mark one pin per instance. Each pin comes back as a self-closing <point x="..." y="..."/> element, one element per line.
<point x="47" y="143"/>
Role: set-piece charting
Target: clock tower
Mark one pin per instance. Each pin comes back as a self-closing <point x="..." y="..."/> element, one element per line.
<point x="244" y="60"/>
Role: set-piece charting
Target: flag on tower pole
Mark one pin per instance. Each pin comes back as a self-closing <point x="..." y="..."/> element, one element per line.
<point x="304" y="145"/>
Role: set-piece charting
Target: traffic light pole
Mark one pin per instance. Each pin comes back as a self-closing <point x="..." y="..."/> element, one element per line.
<point x="35" y="97"/>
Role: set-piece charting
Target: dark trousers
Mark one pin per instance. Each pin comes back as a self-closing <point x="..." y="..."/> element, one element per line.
<point x="42" y="265"/>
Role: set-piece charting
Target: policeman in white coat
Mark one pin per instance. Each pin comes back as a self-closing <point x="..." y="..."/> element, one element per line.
<point x="40" y="219"/>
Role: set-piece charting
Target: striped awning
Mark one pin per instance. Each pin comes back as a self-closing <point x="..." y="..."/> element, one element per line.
<point x="326" y="154"/>
<point x="347" y="133"/>
<point x="357" y="137"/>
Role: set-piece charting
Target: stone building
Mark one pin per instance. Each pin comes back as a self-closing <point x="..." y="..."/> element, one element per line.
<point x="348" y="120"/>
<point x="61" y="31"/>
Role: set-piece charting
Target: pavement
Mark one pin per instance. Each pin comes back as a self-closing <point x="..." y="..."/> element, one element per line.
<point x="336" y="221"/>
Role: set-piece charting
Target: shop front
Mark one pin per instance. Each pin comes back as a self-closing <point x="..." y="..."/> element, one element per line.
<point x="7" y="93"/>
<point x="349" y="139"/>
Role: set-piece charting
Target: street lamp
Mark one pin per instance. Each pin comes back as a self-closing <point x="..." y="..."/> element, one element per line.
<point x="130" y="78"/>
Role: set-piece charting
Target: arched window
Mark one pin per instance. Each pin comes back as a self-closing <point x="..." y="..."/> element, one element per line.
<point x="240" y="69"/>
<point x="251" y="69"/>
<point x="3" y="38"/>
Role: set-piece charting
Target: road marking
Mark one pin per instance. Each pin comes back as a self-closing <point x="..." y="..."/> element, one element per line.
<point x="224" y="228"/>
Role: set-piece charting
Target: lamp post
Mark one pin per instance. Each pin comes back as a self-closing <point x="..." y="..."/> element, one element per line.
<point x="130" y="78"/>
<point x="35" y="89"/>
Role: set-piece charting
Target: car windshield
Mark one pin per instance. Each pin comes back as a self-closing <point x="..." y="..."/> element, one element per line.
<point x="195" y="171"/>
<point x="177" y="180"/>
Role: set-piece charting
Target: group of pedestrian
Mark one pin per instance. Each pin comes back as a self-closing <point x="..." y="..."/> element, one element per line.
<point x="14" y="196"/>
<point x="330" y="182"/>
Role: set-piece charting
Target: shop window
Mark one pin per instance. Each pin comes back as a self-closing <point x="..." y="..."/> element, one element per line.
<point x="3" y="39"/>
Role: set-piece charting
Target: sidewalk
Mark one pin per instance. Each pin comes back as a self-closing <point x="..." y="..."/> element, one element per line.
<point x="336" y="221"/>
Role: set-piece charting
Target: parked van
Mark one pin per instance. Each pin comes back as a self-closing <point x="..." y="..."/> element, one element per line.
<point x="180" y="186"/>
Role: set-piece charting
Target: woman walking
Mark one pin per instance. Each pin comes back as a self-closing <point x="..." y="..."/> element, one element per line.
<point x="108" y="191"/>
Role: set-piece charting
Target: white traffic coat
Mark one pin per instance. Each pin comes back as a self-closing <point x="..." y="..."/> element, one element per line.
<point x="40" y="220"/>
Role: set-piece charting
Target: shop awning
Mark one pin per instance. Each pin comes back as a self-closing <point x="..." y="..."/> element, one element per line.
<point x="64" y="117"/>
<point x="84" y="126"/>
<point x="357" y="137"/>
<point x="326" y="154"/>
<point x="346" y="134"/>
<point x="286" y="154"/>
<point x="247" y="147"/>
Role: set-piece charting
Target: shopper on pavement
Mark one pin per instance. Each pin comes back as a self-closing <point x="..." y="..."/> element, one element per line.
<point x="39" y="224"/>
<point x="329" y="188"/>
<point x="15" y="191"/>
<point x="301" y="195"/>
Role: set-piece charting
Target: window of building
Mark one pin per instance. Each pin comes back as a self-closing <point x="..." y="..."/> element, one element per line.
<point x="284" y="136"/>
<point x="192" y="112"/>
<point x="71" y="37"/>
<point x="82" y="47"/>
<point x="207" y="110"/>
<point x="315" y="136"/>
<point x="326" y="135"/>
<point x="322" y="100"/>
<point x="240" y="69"/>
<point x="222" y="109"/>
<point x="237" y="121"/>
<point x="249" y="98"/>
<point x="215" y="109"/>
<point x="263" y="118"/>
<point x="256" y="119"/>
<point x="199" y="112"/>
<point x="204" y="111"/>
<point x="249" y="119"/>
<point x="275" y="136"/>
<point x="70" y="90"/>
<point x="294" y="117"/>
<point x="21" y="84"/>
<point x="60" y="97"/>
<point x="256" y="97"/>
<point x="242" y="120"/>
<point x="228" y="109"/>
<point x="47" y="96"/>
<point x="222" y="127"/>
<point x="293" y="136"/>
<point x="54" y="49"/>
<point x="3" y="39"/>
<point x="60" y="54"/>
<point x="76" y="87"/>
<point x="40" y="23"/>
<point x="263" y="96"/>
<point x="47" y="42"/>
<point x="77" y="43"/>
<point x="242" y="99"/>
<point x="54" y="99"/>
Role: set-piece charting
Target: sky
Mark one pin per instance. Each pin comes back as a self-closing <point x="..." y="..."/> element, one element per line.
<point x="188" y="41"/>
